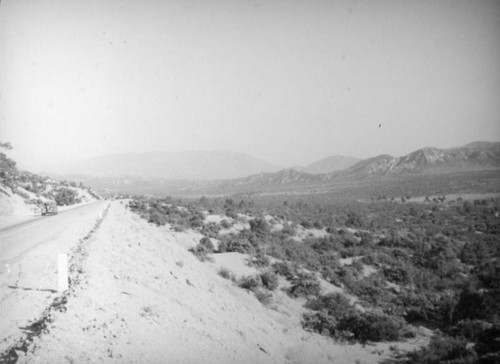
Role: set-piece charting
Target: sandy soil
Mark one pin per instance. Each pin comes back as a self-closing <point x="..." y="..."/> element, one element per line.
<point x="138" y="296"/>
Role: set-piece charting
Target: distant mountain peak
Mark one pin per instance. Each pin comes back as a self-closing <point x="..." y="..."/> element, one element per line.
<point x="478" y="155"/>
<point x="428" y="160"/>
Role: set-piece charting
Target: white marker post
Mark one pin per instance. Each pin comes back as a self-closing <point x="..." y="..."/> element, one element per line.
<point x="62" y="270"/>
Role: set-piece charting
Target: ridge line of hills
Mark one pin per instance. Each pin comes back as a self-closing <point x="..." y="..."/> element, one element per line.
<point x="429" y="161"/>
<point x="227" y="165"/>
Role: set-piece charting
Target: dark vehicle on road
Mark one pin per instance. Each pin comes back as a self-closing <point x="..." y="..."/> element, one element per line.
<point x="49" y="208"/>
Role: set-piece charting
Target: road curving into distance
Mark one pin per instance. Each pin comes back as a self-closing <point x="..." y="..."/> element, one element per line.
<point x="20" y="238"/>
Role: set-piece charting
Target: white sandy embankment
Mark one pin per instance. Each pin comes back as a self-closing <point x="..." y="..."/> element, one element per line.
<point x="142" y="298"/>
<point x="13" y="210"/>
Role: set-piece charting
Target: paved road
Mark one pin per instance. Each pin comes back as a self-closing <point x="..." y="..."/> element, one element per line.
<point x="18" y="239"/>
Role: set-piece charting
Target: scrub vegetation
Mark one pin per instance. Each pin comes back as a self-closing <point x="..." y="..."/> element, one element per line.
<point x="399" y="264"/>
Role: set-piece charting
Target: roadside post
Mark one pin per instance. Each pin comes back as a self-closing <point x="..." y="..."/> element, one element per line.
<point x="62" y="270"/>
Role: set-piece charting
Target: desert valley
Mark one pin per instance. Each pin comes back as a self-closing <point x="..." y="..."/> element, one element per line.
<point x="250" y="181"/>
<point x="386" y="260"/>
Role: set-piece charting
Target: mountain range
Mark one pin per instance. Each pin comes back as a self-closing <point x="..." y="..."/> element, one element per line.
<point x="221" y="172"/>
<point x="473" y="156"/>
<point x="426" y="161"/>
<point x="193" y="165"/>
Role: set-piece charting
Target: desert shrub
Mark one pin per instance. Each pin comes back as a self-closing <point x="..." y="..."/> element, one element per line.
<point x="357" y="266"/>
<point x="306" y="224"/>
<point x="347" y="275"/>
<point x="401" y="255"/>
<point x="259" y="260"/>
<point x="232" y="214"/>
<point x="334" y="304"/>
<point x="179" y="228"/>
<point x="211" y="230"/>
<point x="259" y="226"/>
<point x="264" y="297"/>
<point x="304" y="284"/>
<point x="318" y="225"/>
<point x="397" y="275"/>
<point x="329" y="259"/>
<point x="157" y="218"/>
<point x="203" y="248"/>
<point x="288" y="230"/>
<point x="249" y="282"/>
<point x="328" y="244"/>
<point x="226" y="274"/>
<point x="225" y="224"/>
<point x="269" y="280"/>
<point x="369" y="287"/>
<point x="200" y="253"/>
<point x="366" y="239"/>
<point x="320" y="322"/>
<point x="348" y="238"/>
<point x="443" y="350"/>
<point x="301" y="253"/>
<point x="383" y="257"/>
<point x="372" y="327"/>
<point x="284" y="269"/>
<point x="66" y="196"/>
<point x="207" y="244"/>
<point x="337" y="317"/>
<point x="244" y="243"/>
<point x="354" y="219"/>
<point x="241" y="245"/>
<point x="196" y="222"/>
<point x="222" y="246"/>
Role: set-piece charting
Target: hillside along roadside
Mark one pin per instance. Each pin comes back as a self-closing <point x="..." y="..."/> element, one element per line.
<point x="142" y="298"/>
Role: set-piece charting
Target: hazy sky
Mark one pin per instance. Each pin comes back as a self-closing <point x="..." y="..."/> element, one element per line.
<point x="286" y="81"/>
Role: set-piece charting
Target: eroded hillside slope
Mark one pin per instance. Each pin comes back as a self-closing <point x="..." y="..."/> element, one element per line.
<point x="141" y="297"/>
